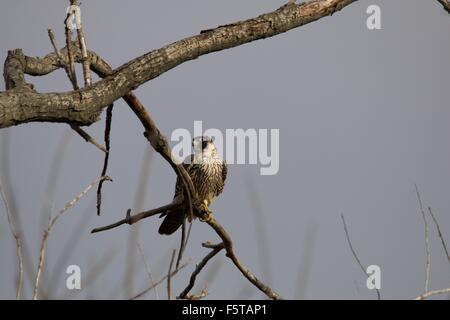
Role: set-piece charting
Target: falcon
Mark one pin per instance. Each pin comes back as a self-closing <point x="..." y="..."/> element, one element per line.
<point x="208" y="172"/>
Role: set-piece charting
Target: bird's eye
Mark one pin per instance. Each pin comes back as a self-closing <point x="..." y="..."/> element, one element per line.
<point x="204" y="144"/>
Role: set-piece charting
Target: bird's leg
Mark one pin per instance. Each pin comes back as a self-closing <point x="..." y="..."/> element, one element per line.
<point x="205" y="208"/>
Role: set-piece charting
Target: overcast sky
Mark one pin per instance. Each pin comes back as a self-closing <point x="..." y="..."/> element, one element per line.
<point x="362" y="115"/>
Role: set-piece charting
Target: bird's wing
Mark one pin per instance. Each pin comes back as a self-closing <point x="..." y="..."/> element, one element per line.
<point x="224" y="170"/>
<point x="179" y="184"/>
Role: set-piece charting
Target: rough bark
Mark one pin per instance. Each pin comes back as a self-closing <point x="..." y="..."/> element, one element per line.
<point x="21" y="104"/>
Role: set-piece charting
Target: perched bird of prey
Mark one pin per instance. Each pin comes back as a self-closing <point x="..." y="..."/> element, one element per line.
<point x="208" y="172"/>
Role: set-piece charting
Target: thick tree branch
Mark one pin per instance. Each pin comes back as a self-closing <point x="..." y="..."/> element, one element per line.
<point x="83" y="107"/>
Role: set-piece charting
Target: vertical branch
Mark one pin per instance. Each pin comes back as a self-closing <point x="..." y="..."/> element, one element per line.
<point x="71" y="65"/>
<point x="354" y="252"/>
<point x="444" y="245"/>
<point x="427" y="240"/>
<point x="105" y="163"/>
<point x="16" y="236"/>
<point x="60" y="58"/>
<point x="182" y="244"/>
<point x="147" y="269"/>
<point x="82" y="43"/>
<point x="169" y="276"/>
<point x="75" y="127"/>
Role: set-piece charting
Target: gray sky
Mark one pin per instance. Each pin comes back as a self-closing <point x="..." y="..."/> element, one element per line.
<point x="363" y="116"/>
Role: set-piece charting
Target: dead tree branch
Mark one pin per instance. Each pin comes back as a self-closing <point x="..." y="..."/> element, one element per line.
<point x="354" y="252"/>
<point x="427" y="239"/>
<point x="66" y="67"/>
<point x="432" y="293"/>
<point x="172" y="274"/>
<point x="131" y="219"/>
<point x="438" y="228"/>
<point x="215" y="250"/>
<point x="169" y="276"/>
<point x="84" y="106"/>
<point x="147" y="269"/>
<point x="106" y="159"/>
<point x="18" y="239"/>
<point x="52" y="222"/>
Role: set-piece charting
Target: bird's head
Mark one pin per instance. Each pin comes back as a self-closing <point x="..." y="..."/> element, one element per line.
<point x="204" y="147"/>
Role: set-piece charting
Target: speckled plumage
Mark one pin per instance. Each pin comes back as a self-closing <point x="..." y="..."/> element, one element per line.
<point x="208" y="172"/>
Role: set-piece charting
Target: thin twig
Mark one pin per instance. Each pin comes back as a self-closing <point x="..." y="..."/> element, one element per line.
<point x="427" y="239"/>
<point x="157" y="283"/>
<point x="131" y="219"/>
<point x="84" y="55"/>
<point x="215" y="250"/>
<point x="169" y="276"/>
<point x="147" y="269"/>
<point x="182" y="244"/>
<point x="432" y="293"/>
<point x="16" y="236"/>
<point x="444" y="245"/>
<point x="87" y="137"/>
<point x="71" y="65"/>
<point x="106" y="160"/>
<point x="68" y="205"/>
<point x="354" y="253"/>
<point x="188" y="233"/>
<point x="60" y="57"/>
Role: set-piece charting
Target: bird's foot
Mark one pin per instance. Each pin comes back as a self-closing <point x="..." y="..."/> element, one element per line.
<point x="207" y="214"/>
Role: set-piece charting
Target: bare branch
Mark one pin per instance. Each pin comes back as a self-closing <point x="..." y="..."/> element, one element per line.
<point x="182" y="244"/>
<point x="84" y="106"/>
<point x="172" y="274"/>
<point x="52" y="222"/>
<point x="444" y="245"/>
<point x="169" y="276"/>
<point x="215" y="250"/>
<point x="354" y="252"/>
<point x="87" y="137"/>
<point x="75" y="127"/>
<point x="18" y="239"/>
<point x="139" y="216"/>
<point x="147" y="269"/>
<point x="212" y="222"/>
<point x="432" y="293"/>
<point x="84" y="55"/>
<point x="427" y="239"/>
<point x="70" y="55"/>
<point x="226" y="239"/>
<point x="105" y="163"/>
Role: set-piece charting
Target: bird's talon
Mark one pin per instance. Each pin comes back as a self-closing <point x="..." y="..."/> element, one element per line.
<point x="207" y="217"/>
